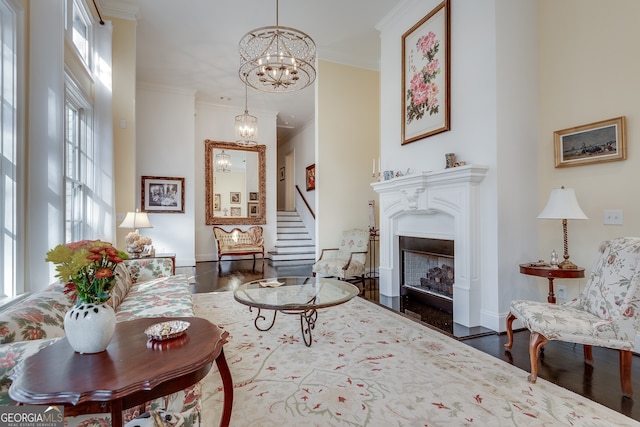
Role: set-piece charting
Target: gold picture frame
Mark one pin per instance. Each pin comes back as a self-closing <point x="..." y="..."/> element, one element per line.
<point x="603" y="141"/>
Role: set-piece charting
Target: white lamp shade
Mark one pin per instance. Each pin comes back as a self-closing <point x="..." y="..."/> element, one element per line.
<point x="562" y="204"/>
<point x="136" y="220"/>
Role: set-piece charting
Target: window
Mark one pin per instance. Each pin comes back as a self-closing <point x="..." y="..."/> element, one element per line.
<point x="78" y="163"/>
<point x="78" y="28"/>
<point x="11" y="158"/>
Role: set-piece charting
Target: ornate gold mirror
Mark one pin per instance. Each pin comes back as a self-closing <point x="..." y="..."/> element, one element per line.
<point x="235" y="180"/>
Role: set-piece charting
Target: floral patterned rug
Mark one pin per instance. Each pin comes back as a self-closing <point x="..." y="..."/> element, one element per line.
<point x="369" y="366"/>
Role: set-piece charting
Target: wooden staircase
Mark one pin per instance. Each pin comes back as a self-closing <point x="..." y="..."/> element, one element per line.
<point x="294" y="245"/>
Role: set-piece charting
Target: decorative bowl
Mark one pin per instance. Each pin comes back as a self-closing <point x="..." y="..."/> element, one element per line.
<point x="166" y="330"/>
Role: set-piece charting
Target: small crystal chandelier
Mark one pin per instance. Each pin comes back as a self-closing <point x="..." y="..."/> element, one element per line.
<point x="223" y="162"/>
<point x="246" y="126"/>
<point x="277" y="59"/>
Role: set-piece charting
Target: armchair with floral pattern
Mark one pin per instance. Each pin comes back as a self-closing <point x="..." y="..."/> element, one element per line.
<point x="347" y="261"/>
<point x="606" y="314"/>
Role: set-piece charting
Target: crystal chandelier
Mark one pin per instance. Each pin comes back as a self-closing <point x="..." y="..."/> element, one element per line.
<point x="277" y="59"/>
<point x="223" y="162"/>
<point x="246" y="126"/>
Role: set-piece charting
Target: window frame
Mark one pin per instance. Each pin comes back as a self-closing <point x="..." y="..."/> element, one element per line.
<point x="12" y="248"/>
<point x="77" y="215"/>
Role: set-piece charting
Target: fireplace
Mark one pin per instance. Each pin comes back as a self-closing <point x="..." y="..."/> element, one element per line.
<point x="442" y="205"/>
<point x="428" y="271"/>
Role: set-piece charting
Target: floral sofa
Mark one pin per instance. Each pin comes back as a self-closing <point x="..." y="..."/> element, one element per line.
<point x="144" y="288"/>
<point x="238" y="242"/>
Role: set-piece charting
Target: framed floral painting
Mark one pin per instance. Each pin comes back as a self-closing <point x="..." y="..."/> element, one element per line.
<point x="425" y="76"/>
<point x="310" y="177"/>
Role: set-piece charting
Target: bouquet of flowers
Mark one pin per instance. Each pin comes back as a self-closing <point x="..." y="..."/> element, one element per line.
<point x="88" y="266"/>
<point x="423" y="91"/>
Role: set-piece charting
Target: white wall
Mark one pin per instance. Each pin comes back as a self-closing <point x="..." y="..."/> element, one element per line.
<point x="45" y="189"/>
<point x="45" y="183"/>
<point x="493" y="101"/>
<point x="216" y="122"/>
<point x="165" y="148"/>
<point x="348" y="135"/>
<point x="302" y="144"/>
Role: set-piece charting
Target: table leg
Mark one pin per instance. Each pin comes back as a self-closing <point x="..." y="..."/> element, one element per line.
<point x="308" y="317"/>
<point x="551" y="298"/>
<point x="261" y="318"/>
<point x="116" y="413"/>
<point x="227" y="386"/>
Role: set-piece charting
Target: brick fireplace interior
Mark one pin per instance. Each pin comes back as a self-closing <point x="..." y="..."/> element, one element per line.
<point x="427" y="274"/>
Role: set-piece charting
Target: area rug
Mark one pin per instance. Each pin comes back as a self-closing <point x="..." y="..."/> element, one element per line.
<point x="369" y="366"/>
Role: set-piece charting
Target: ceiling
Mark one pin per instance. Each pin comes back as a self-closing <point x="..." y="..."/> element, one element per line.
<point x="193" y="44"/>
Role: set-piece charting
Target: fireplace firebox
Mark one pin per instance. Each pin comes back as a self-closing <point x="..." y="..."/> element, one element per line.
<point x="427" y="273"/>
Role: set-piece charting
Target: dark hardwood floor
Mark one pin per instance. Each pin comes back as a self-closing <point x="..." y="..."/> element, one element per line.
<point x="561" y="363"/>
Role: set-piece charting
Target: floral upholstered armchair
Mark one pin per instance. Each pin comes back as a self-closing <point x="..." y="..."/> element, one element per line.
<point x="606" y="314"/>
<point x="345" y="262"/>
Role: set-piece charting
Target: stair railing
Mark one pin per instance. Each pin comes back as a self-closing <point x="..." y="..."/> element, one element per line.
<point x="305" y="202"/>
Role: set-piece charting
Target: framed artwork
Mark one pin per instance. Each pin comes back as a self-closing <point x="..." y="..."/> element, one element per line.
<point x="311" y="177"/>
<point x="236" y="211"/>
<point x="425" y="76"/>
<point x="234" y="197"/>
<point x="162" y="194"/>
<point x="216" y="202"/>
<point x="598" y="142"/>
<point x="282" y="173"/>
<point x="254" y="209"/>
<point x="253" y="196"/>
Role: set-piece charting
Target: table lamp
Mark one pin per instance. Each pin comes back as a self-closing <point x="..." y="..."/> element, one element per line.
<point x="134" y="241"/>
<point x="563" y="204"/>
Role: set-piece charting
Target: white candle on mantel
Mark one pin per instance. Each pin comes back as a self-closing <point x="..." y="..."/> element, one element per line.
<point x="373" y="166"/>
<point x="378" y="165"/>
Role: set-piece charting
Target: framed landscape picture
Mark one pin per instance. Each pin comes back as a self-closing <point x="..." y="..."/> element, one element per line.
<point x="425" y="76"/>
<point x="162" y="194"/>
<point x="598" y="142"/>
<point x="237" y="211"/>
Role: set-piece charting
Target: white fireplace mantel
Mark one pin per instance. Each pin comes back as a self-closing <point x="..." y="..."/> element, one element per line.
<point x="441" y="205"/>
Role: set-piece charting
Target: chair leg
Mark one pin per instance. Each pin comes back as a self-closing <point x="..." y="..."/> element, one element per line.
<point x="510" y="319"/>
<point x="625" y="372"/>
<point x="536" y="342"/>
<point x="588" y="354"/>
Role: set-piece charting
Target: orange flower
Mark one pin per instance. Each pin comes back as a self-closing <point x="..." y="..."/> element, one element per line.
<point x="94" y="257"/>
<point x="104" y="273"/>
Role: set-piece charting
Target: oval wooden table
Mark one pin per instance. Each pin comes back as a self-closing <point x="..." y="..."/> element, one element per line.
<point x="131" y="371"/>
<point x="535" y="269"/>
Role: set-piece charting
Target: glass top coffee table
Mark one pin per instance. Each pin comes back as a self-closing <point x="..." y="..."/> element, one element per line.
<point x="301" y="296"/>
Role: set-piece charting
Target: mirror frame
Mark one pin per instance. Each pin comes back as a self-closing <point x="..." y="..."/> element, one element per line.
<point x="211" y="219"/>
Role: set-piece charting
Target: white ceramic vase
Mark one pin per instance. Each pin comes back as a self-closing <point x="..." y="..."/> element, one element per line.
<point x="89" y="327"/>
